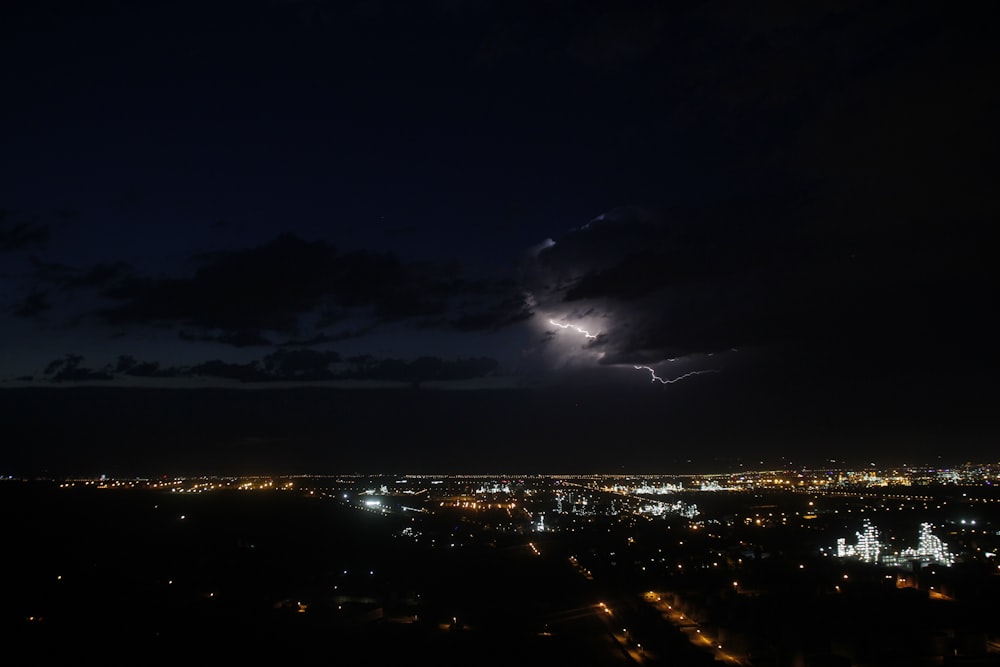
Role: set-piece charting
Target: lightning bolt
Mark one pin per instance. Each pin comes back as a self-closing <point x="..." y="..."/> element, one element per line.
<point x="574" y="328"/>
<point x="653" y="376"/>
<point x="656" y="378"/>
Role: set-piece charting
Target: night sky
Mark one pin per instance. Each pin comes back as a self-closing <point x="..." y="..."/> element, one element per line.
<point x="524" y="236"/>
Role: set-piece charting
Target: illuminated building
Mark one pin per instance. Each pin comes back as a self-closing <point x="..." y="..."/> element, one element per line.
<point x="868" y="547"/>
<point x="930" y="550"/>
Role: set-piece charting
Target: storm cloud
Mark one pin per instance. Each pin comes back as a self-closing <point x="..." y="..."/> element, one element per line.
<point x="263" y="295"/>
<point x="284" y="365"/>
<point x="16" y="233"/>
<point x="651" y="286"/>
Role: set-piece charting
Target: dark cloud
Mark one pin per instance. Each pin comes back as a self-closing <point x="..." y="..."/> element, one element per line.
<point x="285" y="365"/>
<point x="34" y="304"/>
<point x="248" y="372"/>
<point x="68" y="369"/>
<point x="319" y="339"/>
<point x="15" y="234"/>
<point x="102" y="275"/>
<point x="70" y="360"/>
<point x="661" y="285"/>
<point x="422" y="369"/>
<point x="128" y="365"/>
<point x="301" y="364"/>
<point x="496" y="316"/>
<point x="241" y="338"/>
<point x="68" y="278"/>
<point x="53" y="287"/>
<point x="53" y="272"/>
<point x="261" y="288"/>
<point x="236" y="297"/>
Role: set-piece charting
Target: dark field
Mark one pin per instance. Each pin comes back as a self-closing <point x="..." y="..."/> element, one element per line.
<point x="137" y="576"/>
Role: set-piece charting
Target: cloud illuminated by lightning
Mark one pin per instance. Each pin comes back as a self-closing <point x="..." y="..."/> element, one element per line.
<point x="653" y="376"/>
<point x="657" y="378"/>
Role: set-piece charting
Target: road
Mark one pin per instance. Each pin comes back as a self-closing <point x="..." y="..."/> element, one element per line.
<point x="696" y="633"/>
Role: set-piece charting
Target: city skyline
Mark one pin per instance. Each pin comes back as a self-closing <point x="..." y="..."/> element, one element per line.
<point x="750" y="568"/>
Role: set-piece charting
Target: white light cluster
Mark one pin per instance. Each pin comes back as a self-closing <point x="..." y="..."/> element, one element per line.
<point x="495" y="488"/>
<point x="712" y="485"/>
<point x="868" y="548"/>
<point x="649" y="489"/>
<point x="930" y="549"/>
<point x="657" y="508"/>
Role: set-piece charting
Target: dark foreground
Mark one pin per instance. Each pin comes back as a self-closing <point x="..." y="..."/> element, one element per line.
<point x="144" y="577"/>
<point x="300" y="576"/>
